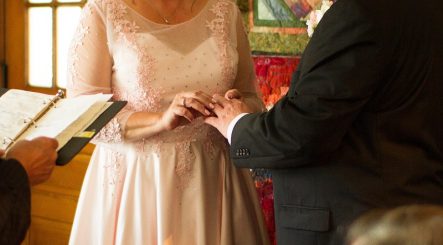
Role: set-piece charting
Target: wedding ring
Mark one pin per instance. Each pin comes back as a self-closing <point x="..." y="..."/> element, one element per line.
<point x="184" y="102"/>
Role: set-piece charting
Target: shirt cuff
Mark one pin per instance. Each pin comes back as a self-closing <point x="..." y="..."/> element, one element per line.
<point x="232" y="125"/>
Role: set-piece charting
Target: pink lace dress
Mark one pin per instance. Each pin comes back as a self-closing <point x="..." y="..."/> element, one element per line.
<point x="178" y="187"/>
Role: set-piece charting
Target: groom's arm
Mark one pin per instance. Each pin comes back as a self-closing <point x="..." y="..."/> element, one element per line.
<point x="337" y="76"/>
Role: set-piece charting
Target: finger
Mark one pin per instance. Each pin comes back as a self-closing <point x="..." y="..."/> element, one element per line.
<point x="233" y="94"/>
<point x="183" y="112"/>
<point x="198" y="106"/>
<point x="54" y="143"/>
<point x="2" y="152"/>
<point x="54" y="157"/>
<point x="200" y="96"/>
<point x="218" y="110"/>
<point x="218" y="99"/>
<point x="50" y="142"/>
<point x="48" y="170"/>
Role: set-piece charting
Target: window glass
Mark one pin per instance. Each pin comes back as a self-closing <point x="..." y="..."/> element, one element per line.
<point x="39" y="1"/>
<point x="67" y="20"/>
<point x="40" y="46"/>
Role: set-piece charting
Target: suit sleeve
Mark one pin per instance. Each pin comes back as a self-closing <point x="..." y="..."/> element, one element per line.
<point x="337" y="76"/>
<point x="15" y="203"/>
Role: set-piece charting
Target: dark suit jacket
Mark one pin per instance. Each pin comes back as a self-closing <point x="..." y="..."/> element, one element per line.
<point x="362" y="124"/>
<point x="15" y="203"/>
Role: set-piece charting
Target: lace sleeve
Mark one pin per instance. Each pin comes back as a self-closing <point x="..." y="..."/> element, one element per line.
<point x="245" y="80"/>
<point x="90" y="67"/>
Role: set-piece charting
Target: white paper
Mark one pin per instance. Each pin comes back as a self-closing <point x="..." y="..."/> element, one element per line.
<point x="18" y="108"/>
<point x="68" y="117"/>
<point x="27" y="115"/>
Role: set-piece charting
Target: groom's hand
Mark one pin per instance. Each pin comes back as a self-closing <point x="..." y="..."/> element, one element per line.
<point x="225" y="111"/>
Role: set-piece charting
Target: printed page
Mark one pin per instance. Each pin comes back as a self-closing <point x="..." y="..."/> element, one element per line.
<point x="82" y="122"/>
<point x="68" y="117"/>
<point x="18" y="108"/>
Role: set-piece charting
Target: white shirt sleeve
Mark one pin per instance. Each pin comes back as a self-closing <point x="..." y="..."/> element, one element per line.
<point x="232" y="125"/>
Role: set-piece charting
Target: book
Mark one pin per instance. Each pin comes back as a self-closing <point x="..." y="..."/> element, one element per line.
<point x="72" y="121"/>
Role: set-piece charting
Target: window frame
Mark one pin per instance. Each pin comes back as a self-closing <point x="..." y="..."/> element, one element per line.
<point x="17" y="41"/>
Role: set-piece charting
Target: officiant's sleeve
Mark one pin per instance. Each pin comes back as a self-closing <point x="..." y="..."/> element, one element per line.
<point x="15" y="203"/>
<point x="90" y="66"/>
<point x="245" y="81"/>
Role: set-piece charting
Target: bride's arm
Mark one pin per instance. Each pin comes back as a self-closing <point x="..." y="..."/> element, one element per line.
<point x="185" y="107"/>
<point x="245" y="81"/>
<point x="89" y="72"/>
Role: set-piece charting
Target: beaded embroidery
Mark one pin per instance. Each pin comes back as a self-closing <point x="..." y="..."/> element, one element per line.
<point x="141" y="96"/>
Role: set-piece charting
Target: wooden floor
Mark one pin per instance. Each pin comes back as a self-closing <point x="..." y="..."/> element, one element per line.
<point x="54" y="202"/>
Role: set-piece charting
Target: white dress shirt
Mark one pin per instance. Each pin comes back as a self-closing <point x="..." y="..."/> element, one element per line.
<point x="232" y="125"/>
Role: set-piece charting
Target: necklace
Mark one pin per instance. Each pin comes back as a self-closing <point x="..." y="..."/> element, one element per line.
<point x="166" y="19"/>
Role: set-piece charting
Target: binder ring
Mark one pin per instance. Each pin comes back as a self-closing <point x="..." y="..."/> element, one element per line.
<point x="52" y="102"/>
<point x="7" y="140"/>
<point x="30" y="120"/>
<point x="60" y="94"/>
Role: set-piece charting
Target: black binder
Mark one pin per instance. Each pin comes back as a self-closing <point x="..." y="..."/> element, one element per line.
<point x="77" y="143"/>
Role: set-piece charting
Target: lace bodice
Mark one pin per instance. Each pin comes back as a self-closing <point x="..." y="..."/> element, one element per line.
<point x="117" y="50"/>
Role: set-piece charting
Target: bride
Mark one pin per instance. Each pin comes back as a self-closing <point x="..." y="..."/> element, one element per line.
<point x="158" y="174"/>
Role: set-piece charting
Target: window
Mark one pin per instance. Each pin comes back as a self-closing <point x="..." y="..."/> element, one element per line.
<point x="50" y="26"/>
<point x="38" y="36"/>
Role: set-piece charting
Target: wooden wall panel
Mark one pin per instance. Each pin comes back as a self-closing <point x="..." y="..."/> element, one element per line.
<point x="54" y="202"/>
<point x="2" y="40"/>
<point x="44" y="231"/>
<point x="15" y="42"/>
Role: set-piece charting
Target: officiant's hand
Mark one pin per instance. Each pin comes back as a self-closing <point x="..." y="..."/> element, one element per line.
<point x="225" y="111"/>
<point x="186" y="107"/>
<point x="37" y="156"/>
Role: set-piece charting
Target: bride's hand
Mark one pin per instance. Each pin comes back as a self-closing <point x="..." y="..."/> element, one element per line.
<point x="185" y="107"/>
<point x="233" y="94"/>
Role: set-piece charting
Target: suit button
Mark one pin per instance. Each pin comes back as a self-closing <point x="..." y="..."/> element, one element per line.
<point x="238" y="152"/>
<point x="242" y="152"/>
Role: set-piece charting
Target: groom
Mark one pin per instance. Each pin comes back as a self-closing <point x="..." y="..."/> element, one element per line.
<point x="361" y="126"/>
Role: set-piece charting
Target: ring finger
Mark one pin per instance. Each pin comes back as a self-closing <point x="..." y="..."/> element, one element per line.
<point x="196" y="105"/>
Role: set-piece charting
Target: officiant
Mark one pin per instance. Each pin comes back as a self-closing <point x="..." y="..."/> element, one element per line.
<point x="26" y="163"/>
